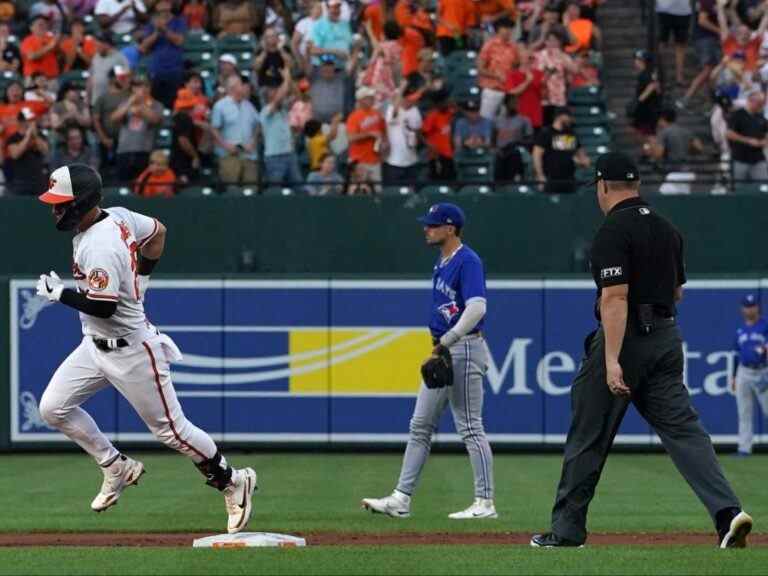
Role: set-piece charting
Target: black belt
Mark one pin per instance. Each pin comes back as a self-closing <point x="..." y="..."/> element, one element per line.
<point x="659" y="322"/>
<point x="109" y="344"/>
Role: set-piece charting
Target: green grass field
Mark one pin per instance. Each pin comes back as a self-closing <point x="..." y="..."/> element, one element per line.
<point x="319" y="492"/>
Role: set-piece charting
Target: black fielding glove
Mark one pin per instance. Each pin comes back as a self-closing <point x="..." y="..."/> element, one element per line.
<point x="437" y="370"/>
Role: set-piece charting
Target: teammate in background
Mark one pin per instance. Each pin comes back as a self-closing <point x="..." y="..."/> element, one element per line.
<point x="751" y="372"/>
<point x="456" y="323"/>
<point x="114" y="253"/>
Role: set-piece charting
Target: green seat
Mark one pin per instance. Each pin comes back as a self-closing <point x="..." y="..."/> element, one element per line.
<point x="164" y="138"/>
<point x="594" y="151"/>
<point x="750" y="187"/>
<point x="590" y="140"/>
<point x="123" y="40"/>
<point x="436" y="190"/>
<point x="198" y="42"/>
<point x="475" y="173"/>
<point x="589" y="131"/>
<point x="469" y="156"/>
<point x="463" y="89"/>
<point x="522" y="188"/>
<point x="232" y="44"/>
<point x="76" y="77"/>
<point x="116" y="191"/>
<point x="244" y="59"/>
<point x="586" y="95"/>
<point x="200" y="59"/>
<point x="280" y="191"/>
<point x="196" y="191"/>
<point x="397" y="190"/>
<point x="475" y="190"/>
<point x="242" y="191"/>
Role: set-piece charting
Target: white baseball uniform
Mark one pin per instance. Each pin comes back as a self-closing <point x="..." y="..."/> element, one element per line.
<point x="105" y="260"/>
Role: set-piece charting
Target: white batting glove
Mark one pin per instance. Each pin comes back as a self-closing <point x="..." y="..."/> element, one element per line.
<point x="50" y="286"/>
<point x="143" y="286"/>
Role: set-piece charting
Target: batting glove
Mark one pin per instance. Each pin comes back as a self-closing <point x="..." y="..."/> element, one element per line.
<point x="50" y="286"/>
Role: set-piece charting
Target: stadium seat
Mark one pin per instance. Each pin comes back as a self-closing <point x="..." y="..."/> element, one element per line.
<point x="196" y="191"/>
<point x="750" y="187"/>
<point x="469" y="156"/>
<point x="397" y="190"/>
<point x="164" y="137"/>
<point x="587" y="95"/>
<point x="76" y="77"/>
<point x="474" y="190"/>
<point x="116" y="191"/>
<point x="200" y="59"/>
<point x="245" y="190"/>
<point x="123" y="40"/>
<point x="463" y="89"/>
<point x="601" y="138"/>
<point x="436" y="190"/>
<point x="232" y="44"/>
<point x="197" y="42"/>
<point x="522" y="188"/>
<point x="475" y="173"/>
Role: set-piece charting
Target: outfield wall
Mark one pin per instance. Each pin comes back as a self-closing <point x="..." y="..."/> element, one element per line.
<point x="336" y="361"/>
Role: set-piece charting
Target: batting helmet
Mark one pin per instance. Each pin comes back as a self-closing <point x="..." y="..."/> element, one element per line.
<point x="77" y="189"/>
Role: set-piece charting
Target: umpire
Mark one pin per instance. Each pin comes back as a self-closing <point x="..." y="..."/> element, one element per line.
<point x="635" y="356"/>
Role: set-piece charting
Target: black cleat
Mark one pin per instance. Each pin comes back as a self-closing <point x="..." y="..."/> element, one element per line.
<point x="552" y="540"/>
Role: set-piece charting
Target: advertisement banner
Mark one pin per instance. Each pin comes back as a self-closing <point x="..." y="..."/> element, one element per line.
<point x="338" y="360"/>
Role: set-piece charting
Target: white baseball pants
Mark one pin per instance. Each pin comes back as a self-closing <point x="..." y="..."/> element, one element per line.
<point x="141" y="373"/>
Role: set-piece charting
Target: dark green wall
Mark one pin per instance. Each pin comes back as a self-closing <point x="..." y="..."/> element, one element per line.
<point x="515" y="235"/>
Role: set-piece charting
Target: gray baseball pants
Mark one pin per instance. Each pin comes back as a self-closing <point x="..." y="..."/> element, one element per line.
<point x="747" y="380"/>
<point x="470" y="362"/>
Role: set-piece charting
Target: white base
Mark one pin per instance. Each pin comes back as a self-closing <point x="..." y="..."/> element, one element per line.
<point x="249" y="540"/>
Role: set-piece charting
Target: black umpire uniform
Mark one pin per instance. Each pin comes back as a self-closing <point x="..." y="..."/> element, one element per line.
<point x="637" y="247"/>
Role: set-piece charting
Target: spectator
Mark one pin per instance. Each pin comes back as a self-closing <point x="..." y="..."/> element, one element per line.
<point x="583" y="33"/>
<point x="107" y="130"/>
<point x="139" y="118"/>
<point x="556" y="153"/>
<point x="280" y="162"/>
<point x="366" y="131"/>
<point x="192" y="100"/>
<point x="303" y="32"/>
<point x="8" y="13"/>
<point x="158" y="180"/>
<point x="319" y="139"/>
<point x="359" y="182"/>
<point x="550" y="23"/>
<point x="234" y="126"/>
<point x="412" y="41"/>
<point x="346" y="11"/>
<point x="277" y="16"/>
<point x="383" y="71"/>
<point x="331" y="35"/>
<point x="163" y="40"/>
<point x="729" y="77"/>
<point x="120" y="16"/>
<point x="556" y="65"/>
<point x="454" y="18"/>
<point x="70" y="109"/>
<point x="10" y="57"/>
<point x="227" y="69"/>
<point x="326" y="181"/>
<point x="13" y="103"/>
<point x="490" y="12"/>
<point x="40" y="98"/>
<point x="472" y="131"/>
<point x="39" y="49"/>
<point x="511" y="131"/>
<point x="269" y="64"/>
<point x="301" y="109"/>
<point x="106" y="60"/>
<point x="411" y="14"/>
<point x="372" y="18"/>
<point x="647" y="95"/>
<point x="675" y="21"/>
<point x="706" y="38"/>
<point x="185" y="158"/>
<point x="50" y="10"/>
<point x="674" y="143"/>
<point x="747" y="131"/>
<point x="425" y="78"/>
<point x="78" y="48"/>
<point x="74" y="150"/>
<point x="718" y="122"/>
<point x="403" y="120"/>
<point x="235" y="17"/>
<point x="495" y="61"/>
<point x="327" y="88"/>
<point x="586" y="73"/>
<point x="438" y="138"/>
<point x="195" y="15"/>
<point x="79" y="8"/>
<point x="741" y="39"/>
<point x="27" y="152"/>
<point x="132" y="50"/>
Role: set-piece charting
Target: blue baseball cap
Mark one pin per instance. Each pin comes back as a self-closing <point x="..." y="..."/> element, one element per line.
<point x="749" y="300"/>
<point x="443" y="214"/>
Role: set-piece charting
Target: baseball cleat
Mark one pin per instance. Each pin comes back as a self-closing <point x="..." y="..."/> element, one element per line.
<point x="237" y="499"/>
<point x="738" y="529"/>
<point x="552" y="540"/>
<point x="397" y="505"/>
<point x="481" y="508"/>
<point x="123" y="472"/>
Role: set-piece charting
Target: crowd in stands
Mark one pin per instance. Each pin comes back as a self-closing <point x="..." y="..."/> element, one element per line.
<point x="325" y="96"/>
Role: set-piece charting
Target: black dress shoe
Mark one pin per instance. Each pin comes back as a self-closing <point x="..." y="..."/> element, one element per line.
<point x="552" y="540"/>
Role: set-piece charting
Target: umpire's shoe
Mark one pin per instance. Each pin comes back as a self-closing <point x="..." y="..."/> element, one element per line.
<point x="552" y="540"/>
<point x="397" y="505"/>
<point x="733" y="529"/>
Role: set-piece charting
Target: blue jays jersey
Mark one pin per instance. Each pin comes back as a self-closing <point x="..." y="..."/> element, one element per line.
<point x="453" y="283"/>
<point x="751" y="342"/>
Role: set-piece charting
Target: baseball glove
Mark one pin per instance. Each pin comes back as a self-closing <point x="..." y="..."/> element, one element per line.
<point x="437" y="370"/>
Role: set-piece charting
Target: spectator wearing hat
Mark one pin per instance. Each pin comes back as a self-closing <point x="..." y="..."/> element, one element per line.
<point x="106" y="60"/>
<point x="496" y="59"/>
<point x="235" y="17"/>
<point x="138" y="117"/>
<point x="39" y="50"/>
<point x="27" y="152"/>
<point x="526" y="83"/>
<point x="73" y="149"/>
<point x="50" y="10"/>
<point x="331" y="35"/>
<point x="326" y="181"/>
<point x="158" y="180"/>
<point x="748" y="136"/>
<point x="162" y="42"/>
<point x="472" y="130"/>
<point x="78" y="48"/>
<point x="327" y="89"/>
<point x="438" y="136"/>
<point x="234" y="125"/>
<point x="366" y="131"/>
<point x="454" y="18"/>
<point x="404" y="123"/>
<point x="70" y="109"/>
<point x="226" y="68"/>
<point x="557" y="66"/>
<point x="120" y="16"/>
<point x="10" y="57"/>
<point x="281" y="166"/>
<point x="556" y="153"/>
<point x="190" y="126"/>
<point x="107" y="130"/>
<point x="647" y="95"/>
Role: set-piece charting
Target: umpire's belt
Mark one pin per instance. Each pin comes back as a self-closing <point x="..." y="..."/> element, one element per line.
<point x="109" y="344"/>
<point x="659" y="323"/>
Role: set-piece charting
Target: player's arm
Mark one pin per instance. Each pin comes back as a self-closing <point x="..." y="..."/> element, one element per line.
<point x="473" y="292"/>
<point x="51" y="287"/>
<point x="151" y="251"/>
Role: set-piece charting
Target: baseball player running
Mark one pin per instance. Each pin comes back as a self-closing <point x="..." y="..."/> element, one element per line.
<point x="114" y="252"/>
<point x="751" y="369"/>
<point x="454" y="373"/>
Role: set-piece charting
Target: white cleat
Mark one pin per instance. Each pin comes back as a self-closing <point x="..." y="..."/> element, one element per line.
<point x="122" y="473"/>
<point x="481" y="508"/>
<point x="397" y="505"/>
<point x="237" y="498"/>
<point x="740" y="527"/>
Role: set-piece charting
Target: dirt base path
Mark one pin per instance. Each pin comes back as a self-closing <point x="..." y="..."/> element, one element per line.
<point x="184" y="540"/>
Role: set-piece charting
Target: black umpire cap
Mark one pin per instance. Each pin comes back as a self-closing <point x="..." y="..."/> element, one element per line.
<point x="615" y="167"/>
